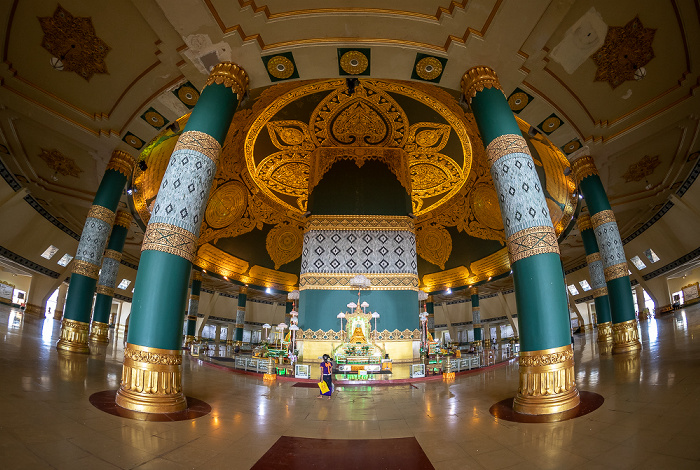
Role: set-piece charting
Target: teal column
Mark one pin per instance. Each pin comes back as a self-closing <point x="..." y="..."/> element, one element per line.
<point x="430" y="308"/>
<point x="193" y="308"/>
<point x="88" y="258"/>
<point x="99" y="329"/>
<point x="612" y="253"/>
<point x="240" y="315"/>
<point x="169" y="248"/>
<point x="598" y="288"/>
<point x="546" y="362"/>
<point x="476" y="315"/>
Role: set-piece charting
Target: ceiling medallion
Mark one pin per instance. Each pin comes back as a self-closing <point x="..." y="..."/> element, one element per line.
<point x="188" y="94"/>
<point x="72" y="40"/>
<point x="284" y="243"/>
<point x="551" y="124"/>
<point x="571" y="146"/>
<point x="60" y="163"/>
<point x="429" y="68"/>
<point x="354" y="62"/>
<point x="626" y="50"/>
<point x="434" y="244"/>
<point x="643" y="168"/>
<point x="368" y="124"/>
<point x="280" y="67"/>
<point x="154" y="118"/>
<point x="518" y="101"/>
<point x="132" y="140"/>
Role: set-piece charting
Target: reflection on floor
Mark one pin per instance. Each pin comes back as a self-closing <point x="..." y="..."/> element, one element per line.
<point x="648" y="420"/>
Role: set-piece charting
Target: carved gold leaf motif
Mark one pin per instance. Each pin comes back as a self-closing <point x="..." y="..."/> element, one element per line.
<point x="60" y="163"/>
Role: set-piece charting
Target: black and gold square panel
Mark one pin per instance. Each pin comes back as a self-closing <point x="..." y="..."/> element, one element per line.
<point x="428" y="68"/>
<point x="154" y="118"/>
<point x="353" y="61"/>
<point x="280" y="66"/>
<point x="518" y="100"/>
<point x="133" y="140"/>
<point x="571" y="146"/>
<point x="188" y="94"/>
<point x="551" y="124"/>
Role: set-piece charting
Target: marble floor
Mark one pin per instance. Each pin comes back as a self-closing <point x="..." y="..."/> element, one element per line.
<point x="649" y="418"/>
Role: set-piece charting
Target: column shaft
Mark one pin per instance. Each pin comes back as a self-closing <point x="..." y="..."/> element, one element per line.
<point x="88" y="258"/>
<point x="476" y="317"/>
<point x="615" y="270"/>
<point x="430" y="308"/>
<point x="169" y="247"/>
<point x="240" y="315"/>
<point x="193" y="308"/>
<point x="547" y="382"/>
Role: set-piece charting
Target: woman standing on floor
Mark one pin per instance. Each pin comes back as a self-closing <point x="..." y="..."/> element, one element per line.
<point x="327" y="375"/>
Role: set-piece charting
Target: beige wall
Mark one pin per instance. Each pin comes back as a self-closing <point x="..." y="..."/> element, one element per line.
<point x="19" y="281"/>
<point x="676" y="284"/>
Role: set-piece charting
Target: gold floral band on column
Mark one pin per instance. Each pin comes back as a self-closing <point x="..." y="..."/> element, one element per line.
<point x="123" y="219"/>
<point x="151" y="380"/>
<point x="583" y="167"/>
<point x="231" y="76"/>
<point x="547" y="382"/>
<point x="616" y="271"/>
<point x="192" y="317"/>
<point x="599" y="292"/>
<point x="532" y="241"/>
<point x="170" y="239"/>
<point x="86" y="269"/>
<point x="593" y="257"/>
<point x="605" y="334"/>
<point x="626" y="337"/>
<point x="239" y="325"/>
<point x="104" y="290"/>
<point x="121" y="162"/>
<point x="114" y="254"/>
<point x="196" y="276"/>
<point x="194" y="297"/>
<point x="199" y="142"/>
<point x="602" y="217"/>
<point x="99" y="332"/>
<point x="584" y="222"/>
<point x="503" y="145"/>
<point x="74" y="337"/>
<point x="101" y="213"/>
<point x="476" y="79"/>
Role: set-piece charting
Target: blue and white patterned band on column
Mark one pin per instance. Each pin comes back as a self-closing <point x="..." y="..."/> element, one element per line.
<point x="179" y="208"/>
<point x="611" y="251"/>
<point x="476" y="316"/>
<point x="595" y="268"/>
<point x="92" y="242"/>
<point x="108" y="274"/>
<point x="526" y="219"/>
<point x="193" y="307"/>
<point x="240" y="317"/>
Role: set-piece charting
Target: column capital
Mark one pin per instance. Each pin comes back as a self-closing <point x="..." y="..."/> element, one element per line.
<point x="473" y="291"/>
<point x="476" y="79"/>
<point x="584" y="222"/>
<point x="196" y="275"/>
<point x="123" y="219"/>
<point x="231" y="76"/>
<point x="121" y="162"/>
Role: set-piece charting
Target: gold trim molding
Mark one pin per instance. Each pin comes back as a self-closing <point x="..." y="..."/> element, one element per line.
<point x="592" y="258"/>
<point x="121" y="162"/>
<point x="151" y="380"/>
<point x="476" y="79"/>
<point x="328" y="281"/>
<point x="503" y="145"/>
<point x="547" y="382"/>
<point x="199" y="142"/>
<point x="101" y="213"/>
<point x="86" y="269"/>
<point x="170" y="239"/>
<point x="382" y="336"/>
<point x="532" y="241"/>
<point x="359" y="222"/>
<point x="602" y="217"/>
<point x="583" y="167"/>
<point x="74" y="337"/>
<point x="626" y="337"/>
<point x="599" y="292"/>
<point x="123" y="219"/>
<point x="616" y="271"/>
<point x="114" y="254"/>
<point x="231" y="76"/>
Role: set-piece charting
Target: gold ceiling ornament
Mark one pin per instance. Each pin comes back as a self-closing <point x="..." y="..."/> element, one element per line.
<point x="434" y="244"/>
<point x="226" y="204"/>
<point x="551" y="124"/>
<point x="369" y="124"/>
<point x="626" y="49"/>
<point x="354" y="62"/>
<point x="518" y="101"/>
<point x="284" y="243"/>
<point x="59" y="163"/>
<point x="484" y="204"/>
<point x="154" y="118"/>
<point x="643" y="168"/>
<point x="188" y="95"/>
<point x="476" y="79"/>
<point x="280" y="67"/>
<point x="231" y="76"/>
<point x="429" y="68"/>
<point x="73" y="41"/>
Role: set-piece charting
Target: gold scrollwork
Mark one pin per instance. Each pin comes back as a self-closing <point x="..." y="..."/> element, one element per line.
<point x="199" y="142"/>
<point x="546" y="357"/>
<point x="170" y="239"/>
<point x="602" y="217"/>
<point x="505" y="145"/>
<point x="584" y="222"/>
<point x="231" y="76"/>
<point x="284" y="243"/>
<point x="352" y="222"/>
<point x="121" y="162"/>
<point x="123" y="219"/>
<point x="194" y="297"/>
<point x="476" y="79"/>
<point x="616" y="271"/>
<point x="582" y="167"/>
<point x="532" y="241"/>
<point x="324" y="281"/>
<point x="152" y="355"/>
<point x="86" y="269"/>
<point x="434" y="244"/>
<point x="592" y="258"/>
<point x="101" y="213"/>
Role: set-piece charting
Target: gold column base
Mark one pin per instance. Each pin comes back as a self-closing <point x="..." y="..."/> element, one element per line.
<point x="99" y="333"/>
<point x="626" y="337"/>
<point x="189" y="339"/>
<point x="74" y="337"/>
<point x="151" y="380"/>
<point x="33" y="310"/>
<point x="547" y="382"/>
<point x="58" y="314"/>
<point x="605" y="334"/>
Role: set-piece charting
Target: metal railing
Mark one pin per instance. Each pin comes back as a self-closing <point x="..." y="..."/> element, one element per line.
<point x="465" y="363"/>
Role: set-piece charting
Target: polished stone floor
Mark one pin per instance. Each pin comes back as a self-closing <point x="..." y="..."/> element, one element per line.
<point x="649" y="418"/>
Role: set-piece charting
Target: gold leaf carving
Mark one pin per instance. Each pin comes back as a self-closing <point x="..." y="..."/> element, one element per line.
<point x="284" y="243"/>
<point x="434" y="244"/>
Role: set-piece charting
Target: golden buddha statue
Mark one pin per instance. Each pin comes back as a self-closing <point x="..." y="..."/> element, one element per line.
<point x="358" y="336"/>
